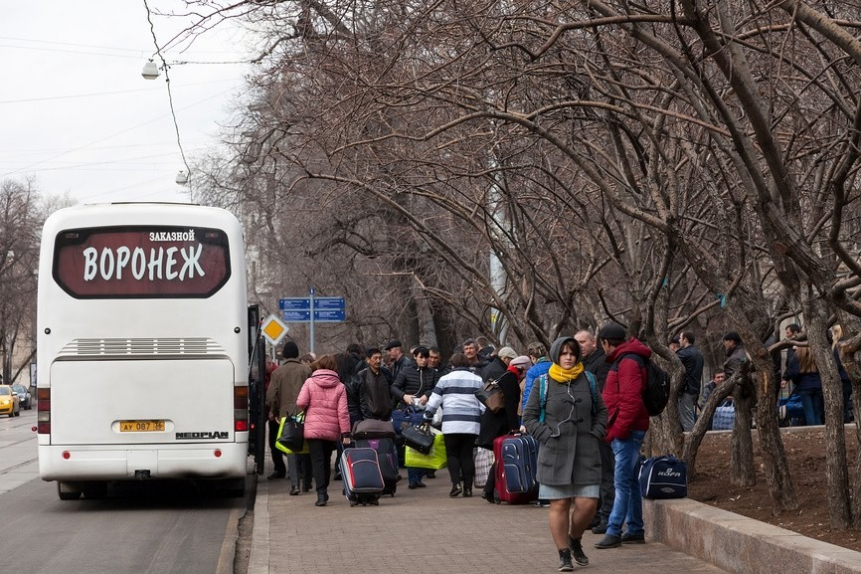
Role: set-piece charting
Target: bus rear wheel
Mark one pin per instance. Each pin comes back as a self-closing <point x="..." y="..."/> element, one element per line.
<point x="95" y="490"/>
<point x="67" y="491"/>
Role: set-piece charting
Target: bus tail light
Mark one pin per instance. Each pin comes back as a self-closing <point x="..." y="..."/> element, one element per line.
<point x="240" y="409"/>
<point x="43" y="410"/>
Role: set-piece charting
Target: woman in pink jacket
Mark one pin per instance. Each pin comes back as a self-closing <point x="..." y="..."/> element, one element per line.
<point x="324" y="400"/>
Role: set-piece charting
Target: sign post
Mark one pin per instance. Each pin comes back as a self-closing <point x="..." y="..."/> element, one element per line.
<point x="274" y="330"/>
<point x="311" y="305"/>
<point x="312" y="309"/>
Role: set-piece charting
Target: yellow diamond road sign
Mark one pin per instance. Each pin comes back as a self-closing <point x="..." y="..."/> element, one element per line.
<point x="274" y="329"/>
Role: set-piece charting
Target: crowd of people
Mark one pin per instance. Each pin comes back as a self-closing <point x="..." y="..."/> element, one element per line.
<point x="582" y="401"/>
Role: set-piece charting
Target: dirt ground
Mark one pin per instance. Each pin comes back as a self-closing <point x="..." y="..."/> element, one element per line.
<point x="805" y="449"/>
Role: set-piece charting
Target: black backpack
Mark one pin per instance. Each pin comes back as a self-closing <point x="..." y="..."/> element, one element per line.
<point x="656" y="393"/>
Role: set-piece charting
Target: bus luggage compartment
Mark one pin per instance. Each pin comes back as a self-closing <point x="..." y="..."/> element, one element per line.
<point x="136" y="402"/>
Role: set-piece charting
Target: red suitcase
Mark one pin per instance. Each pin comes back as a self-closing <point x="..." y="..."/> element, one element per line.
<point x="515" y="454"/>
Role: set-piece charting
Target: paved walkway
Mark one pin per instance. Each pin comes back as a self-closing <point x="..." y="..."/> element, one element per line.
<point x="424" y="531"/>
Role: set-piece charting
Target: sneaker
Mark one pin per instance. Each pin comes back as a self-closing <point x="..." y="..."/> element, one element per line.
<point x="628" y="538"/>
<point x="609" y="541"/>
<point x="565" y="564"/>
<point x="576" y="547"/>
<point x="601" y="528"/>
<point x="456" y="489"/>
<point x="467" y="492"/>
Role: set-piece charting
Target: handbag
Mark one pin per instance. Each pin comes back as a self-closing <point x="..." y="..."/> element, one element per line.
<point x="483" y="463"/>
<point x="490" y="395"/>
<point x="291" y="434"/>
<point x="419" y="438"/>
<point x="434" y="460"/>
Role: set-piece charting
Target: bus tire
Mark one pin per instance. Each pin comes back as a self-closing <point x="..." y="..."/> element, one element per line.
<point x="233" y="488"/>
<point x="95" y="490"/>
<point x="67" y="492"/>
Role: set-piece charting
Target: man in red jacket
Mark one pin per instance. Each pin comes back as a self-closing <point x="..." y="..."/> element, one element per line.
<point x="627" y="423"/>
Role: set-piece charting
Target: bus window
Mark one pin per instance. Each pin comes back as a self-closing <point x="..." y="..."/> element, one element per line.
<point x="142" y="262"/>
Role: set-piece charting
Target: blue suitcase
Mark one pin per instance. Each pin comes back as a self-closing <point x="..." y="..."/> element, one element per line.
<point x="517" y="468"/>
<point x="387" y="455"/>
<point x="663" y="477"/>
<point x="360" y="471"/>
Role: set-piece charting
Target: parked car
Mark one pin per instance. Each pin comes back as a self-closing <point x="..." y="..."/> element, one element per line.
<point x="10" y="404"/>
<point x="25" y="396"/>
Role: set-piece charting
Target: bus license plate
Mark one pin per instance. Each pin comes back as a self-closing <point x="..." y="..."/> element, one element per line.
<point x="141" y="426"/>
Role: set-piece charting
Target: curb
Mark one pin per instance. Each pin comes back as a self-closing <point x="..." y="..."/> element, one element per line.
<point x="258" y="562"/>
<point x="742" y="545"/>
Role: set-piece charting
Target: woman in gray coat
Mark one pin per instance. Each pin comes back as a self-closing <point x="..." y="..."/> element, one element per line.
<point x="569" y="421"/>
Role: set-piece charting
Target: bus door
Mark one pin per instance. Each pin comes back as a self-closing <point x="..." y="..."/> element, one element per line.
<point x="257" y="418"/>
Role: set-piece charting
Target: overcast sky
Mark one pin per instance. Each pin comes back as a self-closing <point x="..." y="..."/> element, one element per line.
<point x="76" y="114"/>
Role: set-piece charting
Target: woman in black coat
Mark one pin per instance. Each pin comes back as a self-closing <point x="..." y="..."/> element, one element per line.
<point x="505" y="421"/>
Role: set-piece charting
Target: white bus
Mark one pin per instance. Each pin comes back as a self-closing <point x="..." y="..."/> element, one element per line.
<point x="142" y="347"/>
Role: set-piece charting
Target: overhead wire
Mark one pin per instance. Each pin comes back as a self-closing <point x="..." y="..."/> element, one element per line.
<point x="34" y="164"/>
<point x="169" y="97"/>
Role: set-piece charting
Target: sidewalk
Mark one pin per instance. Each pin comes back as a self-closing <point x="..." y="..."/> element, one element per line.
<point x="424" y="531"/>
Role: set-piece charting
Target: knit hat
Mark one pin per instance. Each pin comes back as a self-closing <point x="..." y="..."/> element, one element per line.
<point x="521" y="362"/>
<point x="290" y="350"/>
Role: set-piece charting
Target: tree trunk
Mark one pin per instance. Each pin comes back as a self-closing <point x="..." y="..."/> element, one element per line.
<point x="701" y="426"/>
<point x="741" y="467"/>
<point x="852" y="324"/>
<point x="816" y="316"/>
<point x="777" y="475"/>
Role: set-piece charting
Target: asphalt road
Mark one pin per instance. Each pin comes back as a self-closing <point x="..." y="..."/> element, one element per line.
<point x="154" y="528"/>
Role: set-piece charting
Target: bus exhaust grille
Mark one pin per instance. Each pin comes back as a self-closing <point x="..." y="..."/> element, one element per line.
<point x="115" y="348"/>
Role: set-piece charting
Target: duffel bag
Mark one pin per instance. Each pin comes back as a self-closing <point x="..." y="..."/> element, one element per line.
<point x="663" y="477"/>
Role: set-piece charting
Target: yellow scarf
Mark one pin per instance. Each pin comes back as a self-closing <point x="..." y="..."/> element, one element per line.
<point x="562" y="376"/>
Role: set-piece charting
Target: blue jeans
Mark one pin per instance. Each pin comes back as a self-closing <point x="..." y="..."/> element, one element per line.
<point x="415" y="475"/>
<point x="628" y="504"/>
<point x="811" y="402"/>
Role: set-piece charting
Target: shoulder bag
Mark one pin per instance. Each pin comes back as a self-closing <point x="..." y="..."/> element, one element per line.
<point x="490" y="395"/>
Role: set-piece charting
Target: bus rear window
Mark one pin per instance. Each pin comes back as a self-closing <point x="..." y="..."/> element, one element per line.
<point x="141" y="262"/>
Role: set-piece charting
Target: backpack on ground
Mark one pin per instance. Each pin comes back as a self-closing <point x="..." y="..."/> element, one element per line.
<point x="656" y="391"/>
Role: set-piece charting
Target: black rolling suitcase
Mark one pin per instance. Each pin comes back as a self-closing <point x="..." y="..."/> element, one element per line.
<point x="363" y="481"/>
<point x="387" y="455"/>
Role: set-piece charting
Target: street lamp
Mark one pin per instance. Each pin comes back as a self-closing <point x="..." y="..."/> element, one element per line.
<point x="150" y="70"/>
